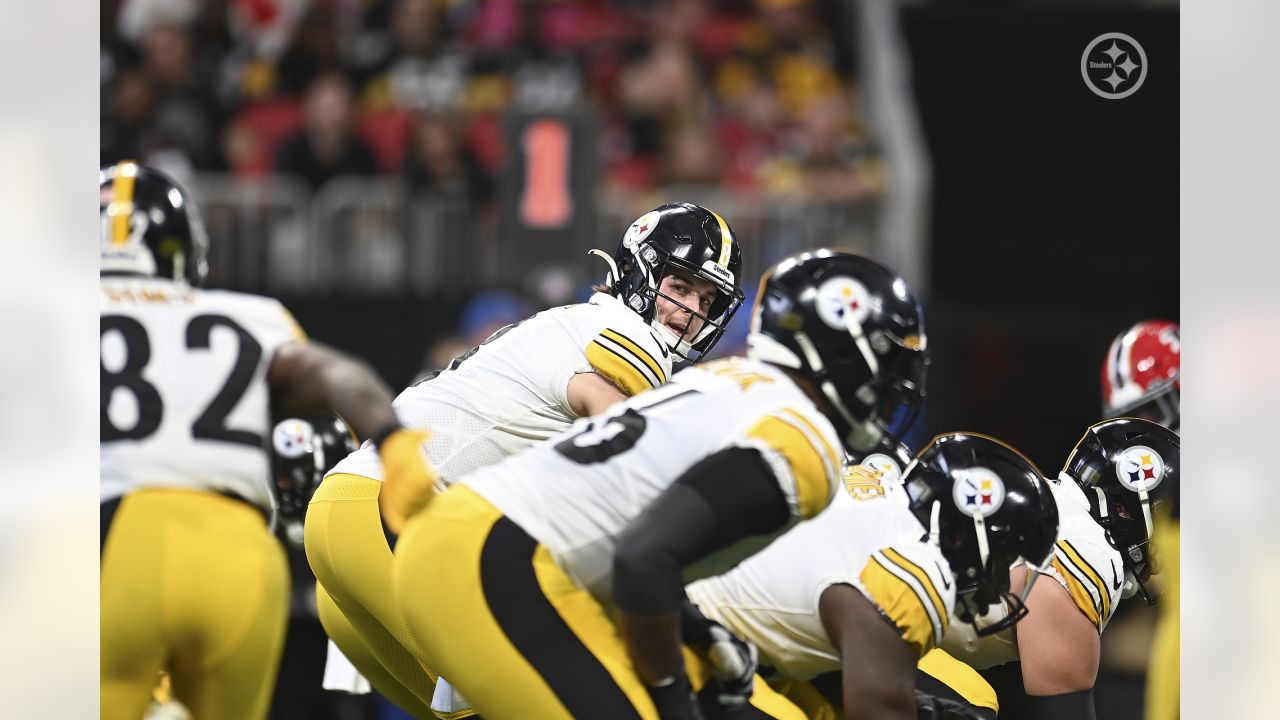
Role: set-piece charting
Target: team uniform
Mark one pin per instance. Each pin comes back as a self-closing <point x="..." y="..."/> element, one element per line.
<point x="526" y="546"/>
<point x="502" y="397"/>
<point x="192" y="579"/>
<point x="1084" y="563"/>
<point x="867" y="539"/>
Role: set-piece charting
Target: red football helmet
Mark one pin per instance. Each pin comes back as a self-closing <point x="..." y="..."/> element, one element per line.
<point x="1140" y="373"/>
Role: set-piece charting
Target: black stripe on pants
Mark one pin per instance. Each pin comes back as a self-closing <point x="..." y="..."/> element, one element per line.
<point x="534" y="627"/>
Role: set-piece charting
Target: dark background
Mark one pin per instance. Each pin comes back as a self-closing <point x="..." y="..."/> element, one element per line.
<point x="1055" y="213"/>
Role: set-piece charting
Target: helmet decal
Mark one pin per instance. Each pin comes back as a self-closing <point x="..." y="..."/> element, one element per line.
<point x="1140" y="468"/>
<point x="641" y="229"/>
<point x="292" y="438"/>
<point x="885" y="466"/>
<point x="977" y="491"/>
<point x="841" y="295"/>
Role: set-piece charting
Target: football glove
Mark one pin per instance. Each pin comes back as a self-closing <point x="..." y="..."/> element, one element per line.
<point x="930" y="707"/>
<point x="675" y="700"/>
<point x="408" y="479"/>
<point x="733" y="661"/>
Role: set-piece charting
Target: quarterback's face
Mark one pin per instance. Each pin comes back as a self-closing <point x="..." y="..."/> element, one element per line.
<point x="691" y="292"/>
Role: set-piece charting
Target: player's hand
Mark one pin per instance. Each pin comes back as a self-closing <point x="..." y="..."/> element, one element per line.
<point x="675" y="700"/>
<point x="929" y="707"/>
<point x="733" y="662"/>
<point x="408" y="479"/>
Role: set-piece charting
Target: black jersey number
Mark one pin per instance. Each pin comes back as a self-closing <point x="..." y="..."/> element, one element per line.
<point x="129" y="379"/>
<point x="211" y="425"/>
<point x="604" y="438"/>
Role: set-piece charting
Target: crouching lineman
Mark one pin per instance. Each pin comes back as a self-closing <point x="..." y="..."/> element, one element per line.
<point x="817" y="600"/>
<point x="192" y="580"/>
<point x="671" y="290"/>
<point x="1108" y="492"/>
<point x="536" y="552"/>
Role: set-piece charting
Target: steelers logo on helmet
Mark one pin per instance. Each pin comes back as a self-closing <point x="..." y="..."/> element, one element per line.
<point x="1140" y="468"/>
<point x="884" y="466"/>
<point x="839" y="299"/>
<point x="977" y="491"/>
<point x="641" y="228"/>
<point x="292" y="438"/>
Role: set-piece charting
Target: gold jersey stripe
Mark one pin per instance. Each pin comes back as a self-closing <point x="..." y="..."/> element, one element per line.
<point x="617" y="369"/>
<point x="1094" y="576"/>
<point x="897" y="558"/>
<point x="639" y="352"/>
<point x="121" y="207"/>
<point x="1079" y="593"/>
<point x="832" y="456"/>
<point x="900" y="603"/>
<point x="726" y="240"/>
<point x="802" y="457"/>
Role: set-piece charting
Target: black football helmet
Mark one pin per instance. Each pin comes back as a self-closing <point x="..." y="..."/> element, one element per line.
<point x="678" y="237"/>
<point x="987" y="507"/>
<point x="853" y="327"/>
<point x="1128" y="467"/>
<point x="303" y="450"/>
<point x="150" y="226"/>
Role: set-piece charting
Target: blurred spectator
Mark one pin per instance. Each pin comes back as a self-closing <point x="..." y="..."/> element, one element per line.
<point x="326" y="145"/>
<point x="438" y="161"/>
<point x="314" y="51"/>
<point x="406" y="64"/>
<point x="826" y="160"/>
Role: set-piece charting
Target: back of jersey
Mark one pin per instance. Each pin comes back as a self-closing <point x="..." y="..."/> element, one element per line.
<point x="870" y="541"/>
<point x="184" y="398"/>
<point x="576" y="493"/>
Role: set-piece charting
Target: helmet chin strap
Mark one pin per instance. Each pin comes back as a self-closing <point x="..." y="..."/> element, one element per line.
<point x="613" y="275"/>
<point x="859" y="432"/>
<point x="935" y="530"/>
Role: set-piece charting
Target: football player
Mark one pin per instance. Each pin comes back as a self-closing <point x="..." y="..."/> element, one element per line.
<point x="817" y="600"/>
<point x="678" y="483"/>
<point x="192" y="580"/>
<point x="1108" y="493"/>
<point x="671" y="289"/>
<point x="1141" y="374"/>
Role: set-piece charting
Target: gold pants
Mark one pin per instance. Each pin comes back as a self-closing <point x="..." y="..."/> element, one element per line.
<point x="494" y="614"/>
<point x="352" y="562"/>
<point x="192" y="582"/>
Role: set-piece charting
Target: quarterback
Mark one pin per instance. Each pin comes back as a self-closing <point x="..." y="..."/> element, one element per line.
<point x="671" y="289"/>
<point x="678" y="483"/>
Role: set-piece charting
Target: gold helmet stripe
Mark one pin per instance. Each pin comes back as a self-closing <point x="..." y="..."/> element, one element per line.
<point x="726" y="240"/>
<point x="121" y="207"/>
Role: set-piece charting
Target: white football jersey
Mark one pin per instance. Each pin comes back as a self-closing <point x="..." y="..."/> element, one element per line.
<point x="867" y="540"/>
<point x="511" y="392"/>
<point x="1084" y="563"/>
<point x="578" y="492"/>
<point x="185" y="400"/>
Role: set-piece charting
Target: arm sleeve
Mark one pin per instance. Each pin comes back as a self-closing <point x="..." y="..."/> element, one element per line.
<point x="1067" y="706"/>
<point x="724" y="498"/>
